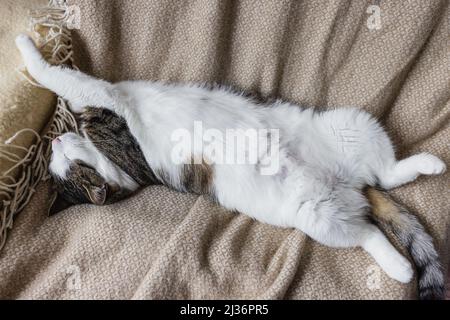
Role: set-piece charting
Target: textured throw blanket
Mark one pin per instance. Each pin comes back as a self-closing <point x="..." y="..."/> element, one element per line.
<point x="22" y="105"/>
<point x="28" y="118"/>
<point x="391" y="59"/>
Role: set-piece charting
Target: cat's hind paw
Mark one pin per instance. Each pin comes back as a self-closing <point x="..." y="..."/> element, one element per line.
<point x="430" y="165"/>
<point x="401" y="271"/>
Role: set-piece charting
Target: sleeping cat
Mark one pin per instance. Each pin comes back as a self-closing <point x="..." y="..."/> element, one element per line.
<point x="323" y="161"/>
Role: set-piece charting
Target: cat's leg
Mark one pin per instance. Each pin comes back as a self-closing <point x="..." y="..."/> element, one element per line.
<point x="338" y="224"/>
<point x="79" y="89"/>
<point x="388" y="258"/>
<point x="362" y="145"/>
<point x="396" y="173"/>
<point x="390" y="172"/>
<point x="376" y="154"/>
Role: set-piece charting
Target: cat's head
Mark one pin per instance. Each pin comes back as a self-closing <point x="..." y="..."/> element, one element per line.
<point x="82" y="174"/>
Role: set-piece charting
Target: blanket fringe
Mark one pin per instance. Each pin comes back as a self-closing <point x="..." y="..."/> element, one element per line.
<point x="29" y="165"/>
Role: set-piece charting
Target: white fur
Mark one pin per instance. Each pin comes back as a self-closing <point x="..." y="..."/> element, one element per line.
<point x="69" y="147"/>
<point x="325" y="158"/>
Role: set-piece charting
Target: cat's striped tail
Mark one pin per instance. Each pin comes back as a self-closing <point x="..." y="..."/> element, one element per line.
<point x="413" y="236"/>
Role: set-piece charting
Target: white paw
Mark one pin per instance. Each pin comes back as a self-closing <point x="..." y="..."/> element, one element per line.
<point x="430" y="165"/>
<point x="24" y="41"/>
<point x="401" y="270"/>
<point x="76" y="108"/>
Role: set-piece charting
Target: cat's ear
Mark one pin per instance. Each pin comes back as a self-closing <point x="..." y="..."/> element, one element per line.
<point x="57" y="204"/>
<point x="97" y="195"/>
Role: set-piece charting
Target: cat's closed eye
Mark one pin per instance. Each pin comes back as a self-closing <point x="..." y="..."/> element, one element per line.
<point x="81" y="184"/>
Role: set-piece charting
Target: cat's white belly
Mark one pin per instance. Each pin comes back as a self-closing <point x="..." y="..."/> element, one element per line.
<point x="273" y="199"/>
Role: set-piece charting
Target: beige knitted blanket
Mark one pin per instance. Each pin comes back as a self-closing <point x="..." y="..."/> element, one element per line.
<point x="22" y="105"/>
<point x="391" y="58"/>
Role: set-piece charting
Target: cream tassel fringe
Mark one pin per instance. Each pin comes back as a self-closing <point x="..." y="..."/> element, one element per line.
<point x="18" y="183"/>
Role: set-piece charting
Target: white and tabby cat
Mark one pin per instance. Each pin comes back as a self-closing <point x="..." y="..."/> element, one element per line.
<point x="325" y="160"/>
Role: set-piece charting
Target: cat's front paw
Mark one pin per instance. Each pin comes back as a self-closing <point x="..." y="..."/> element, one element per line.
<point x="24" y="42"/>
<point x="76" y="108"/>
<point x="30" y="53"/>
